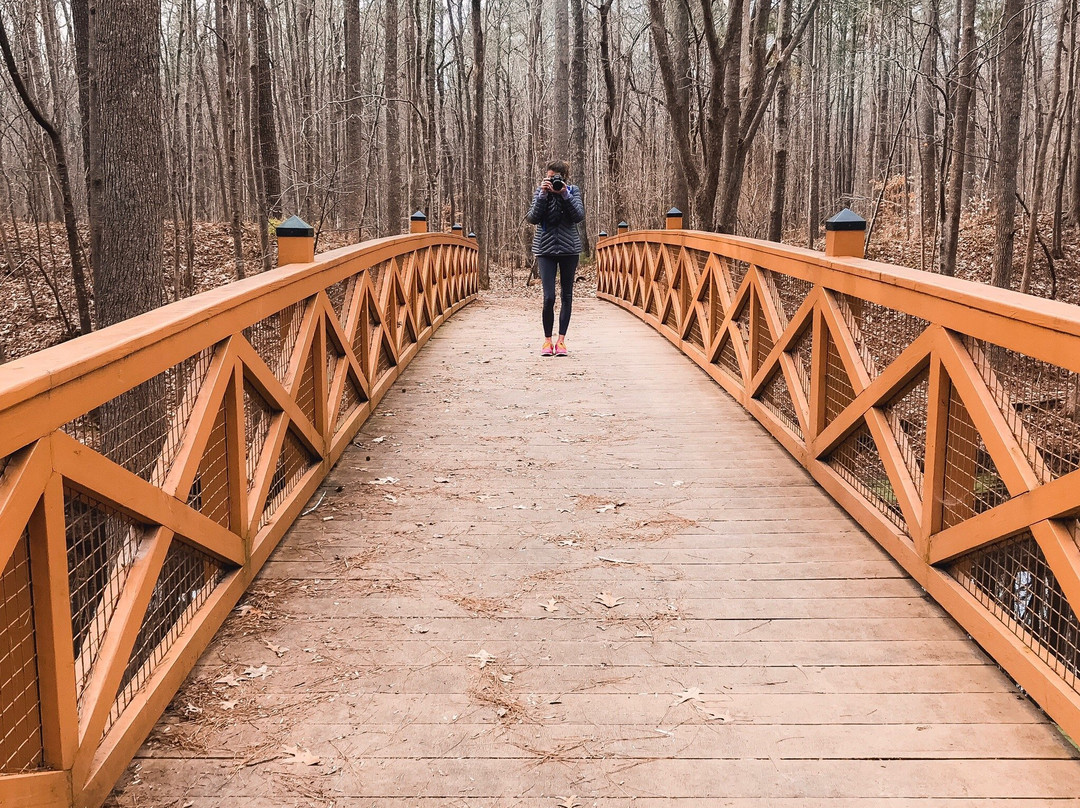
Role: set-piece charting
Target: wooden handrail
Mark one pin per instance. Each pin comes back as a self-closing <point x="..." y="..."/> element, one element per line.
<point x="943" y="415"/>
<point x="164" y="458"/>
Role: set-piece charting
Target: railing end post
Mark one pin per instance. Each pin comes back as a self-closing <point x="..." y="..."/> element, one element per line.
<point x="845" y="235"/>
<point x="603" y="234"/>
<point x="472" y="235"/>
<point x="418" y="222"/>
<point x="456" y="229"/>
<point x="295" y="242"/>
<point x="674" y="219"/>
<point x="623" y="227"/>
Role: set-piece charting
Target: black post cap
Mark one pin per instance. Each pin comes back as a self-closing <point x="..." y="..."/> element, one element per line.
<point x="456" y="228"/>
<point x="472" y="234"/>
<point x="673" y="213"/>
<point x="846" y="219"/>
<point x="623" y="224"/>
<point x="603" y="234"/>
<point x="419" y="216"/>
<point x="294" y="227"/>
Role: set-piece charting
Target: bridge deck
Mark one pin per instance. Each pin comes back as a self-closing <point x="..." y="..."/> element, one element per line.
<point x="407" y="648"/>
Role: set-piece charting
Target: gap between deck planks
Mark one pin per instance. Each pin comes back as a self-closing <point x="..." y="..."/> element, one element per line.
<point x="818" y="673"/>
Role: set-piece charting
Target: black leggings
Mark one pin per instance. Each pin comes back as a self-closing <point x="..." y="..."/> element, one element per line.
<point x="566" y="264"/>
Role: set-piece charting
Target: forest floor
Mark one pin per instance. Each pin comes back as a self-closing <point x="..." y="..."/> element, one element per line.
<point x="37" y="302"/>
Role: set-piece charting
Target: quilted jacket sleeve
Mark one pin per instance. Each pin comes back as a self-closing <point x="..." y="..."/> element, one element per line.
<point x="538" y="209"/>
<point x="573" y="205"/>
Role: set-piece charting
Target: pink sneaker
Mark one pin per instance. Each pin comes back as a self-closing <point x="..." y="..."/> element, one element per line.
<point x="560" y="349"/>
<point x="547" y="350"/>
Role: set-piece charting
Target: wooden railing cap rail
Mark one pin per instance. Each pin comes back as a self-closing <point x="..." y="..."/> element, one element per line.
<point x="182" y="328"/>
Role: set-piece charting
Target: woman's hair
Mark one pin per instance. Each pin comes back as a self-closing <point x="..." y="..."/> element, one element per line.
<point x="560" y="167"/>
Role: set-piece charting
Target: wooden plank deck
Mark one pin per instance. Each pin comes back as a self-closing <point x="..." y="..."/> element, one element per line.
<point x="764" y="651"/>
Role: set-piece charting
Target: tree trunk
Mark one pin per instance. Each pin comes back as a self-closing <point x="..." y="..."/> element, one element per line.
<point x="611" y="132"/>
<point x="1010" y="81"/>
<point x="227" y="94"/>
<point x="928" y="157"/>
<point x="394" y="191"/>
<point x="578" y="99"/>
<point x="354" y="111"/>
<point x="780" y="138"/>
<point x="127" y="157"/>
<point x="477" y="185"/>
<point x="268" y="139"/>
<point x="561" y="91"/>
<point x="965" y="82"/>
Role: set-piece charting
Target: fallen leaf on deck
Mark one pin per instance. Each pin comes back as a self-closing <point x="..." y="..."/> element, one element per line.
<point x="301" y="756"/>
<point x="260" y="672"/>
<point x="230" y="680"/>
<point x="676" y="484"/>
<point x="568" y="543"/>
<point x="379" y="439"/>
<point x="484" y="657"/>
<point x="277" y="649"/>
<point x="609" y="507"/>
<point x="608" y="600"/>
<point x="245" y="610"/>
<point x="228" y="704"/>
<point x="420" y="629"/>
<point x="506" y="678"/>
<point x="551" y="606"/>
<point x="690" y="694"/>
<point x="569" y="802"/>
<point x="383" y="481"/>
<point x="389" y="497"/>
<point x="442" y="479"/>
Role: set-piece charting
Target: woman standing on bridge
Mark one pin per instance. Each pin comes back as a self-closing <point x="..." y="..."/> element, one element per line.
<point x="556" y="211"/>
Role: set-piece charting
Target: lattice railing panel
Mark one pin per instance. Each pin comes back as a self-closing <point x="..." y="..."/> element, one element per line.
<point x="972" y="481"/>
<point x="210" y="490"/>
<point x="839" y="392"/>
<point x="142" y="429"/>
<point x="1012" y="579"/>
<point x="20" y="715"/>
<point x="729" y="359"/>
<point x="258" y="417"/>
<point x="187" y="579"/>
<point x="274" y="337"/>
<point x="763" y="339"/>
<point x="802" y="351"/>
<point x="102" y="545"/>
<point x="906" y="414"/>
<point x="775" y="396"/>
<point x="1041" y="401"/>
<point x="292" y="463"/>
<point x="787" y="292"/>
<point x="881" y="333"/>
<point x="858" y="460"/>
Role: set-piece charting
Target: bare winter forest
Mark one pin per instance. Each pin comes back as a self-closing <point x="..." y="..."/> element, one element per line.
<point x="156" y="141"/>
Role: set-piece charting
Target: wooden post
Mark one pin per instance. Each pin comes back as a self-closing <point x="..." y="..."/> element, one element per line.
<point x="418" y="222"/>
<point x="472" y="235"/>
<point x="296" y="242"/>
<point x="456" y="229"/>
<point x="603" y="234"/>
<point x="623" y="227"/>
<point x="845" y="235"/>
<point x="674" y="219"/>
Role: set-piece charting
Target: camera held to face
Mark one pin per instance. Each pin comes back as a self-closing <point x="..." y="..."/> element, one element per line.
<point x="557" y="183"/>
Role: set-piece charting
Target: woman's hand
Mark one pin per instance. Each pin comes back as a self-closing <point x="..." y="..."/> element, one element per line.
<point x="545" y="188"/>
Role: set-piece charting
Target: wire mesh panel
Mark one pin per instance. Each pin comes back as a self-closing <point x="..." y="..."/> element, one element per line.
<point x="1037" y="398"/>
<point x="881" y="333"/>
<point x="839" y="392"/>
<point x="377" y="273"/>
<point x="210" y="490"/>
<point x="351" y="398"/>
<point x="187" y="578"/>
<point x="972" y="482"/>
<point x="670" y="319"/>
<point x="660" y="279"/>
<point x="102" y="544"/>
<point x="1012" y="579"/>
<point x="386" y="360"/>
<point x="742" y="327"/>
<point x="258" y="416"/>
<point x="763" y="340"/>
<point x="292" y="463"/>
<point x="305" y="393"/>
<point x="775" y="396"/>
<point x="20" y="714"/>
<point x="736" y="271"/>
<point x="729" y="359"/>
<point x="907" y="414"/>
<point x="694" y="334"/>
<point x="858" y="461"/>
<point x="652" y="308"/>
<point x="274" y="337"/>
<point x="335" y="359"/>
<point x="787" y="292"/>
<point x="143" y="429"/>
<point x="340" y="295"/>
<point x="802" y="351"/>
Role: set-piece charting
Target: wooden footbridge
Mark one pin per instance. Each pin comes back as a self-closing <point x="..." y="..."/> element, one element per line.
<point x="838" y="567"/>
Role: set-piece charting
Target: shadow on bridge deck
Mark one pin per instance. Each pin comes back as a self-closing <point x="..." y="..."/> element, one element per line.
<point x="597" y="576"/>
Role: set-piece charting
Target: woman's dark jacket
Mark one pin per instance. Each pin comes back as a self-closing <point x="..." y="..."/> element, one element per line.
<point x="556" y="221"/>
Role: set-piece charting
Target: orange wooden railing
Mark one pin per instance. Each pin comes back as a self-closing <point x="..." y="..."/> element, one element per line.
<point x="943" y="415"/>
<point x="149" y="469"/>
